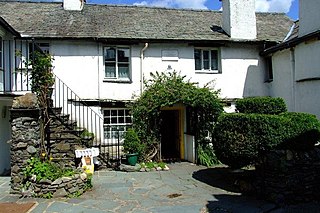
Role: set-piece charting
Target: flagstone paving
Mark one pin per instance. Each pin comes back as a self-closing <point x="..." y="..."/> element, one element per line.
<point x="171" y="191"/>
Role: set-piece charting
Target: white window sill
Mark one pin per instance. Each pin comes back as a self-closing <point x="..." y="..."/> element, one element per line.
<point x="115" y="80"/>
<point x="208" y="72"/>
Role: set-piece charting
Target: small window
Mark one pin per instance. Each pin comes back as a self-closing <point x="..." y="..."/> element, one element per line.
<point x="116" y="123"/>
<point x="207" y="60"/>
<point x="117" y="62"/>
<point x="269" y="69"/>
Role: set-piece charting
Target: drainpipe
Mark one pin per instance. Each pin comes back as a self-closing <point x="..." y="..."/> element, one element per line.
<point x="293" y="71"/>
<point x="141" y="66"/>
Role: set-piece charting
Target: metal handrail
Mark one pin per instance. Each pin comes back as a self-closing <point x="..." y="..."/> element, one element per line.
<point x="88" y="119"/>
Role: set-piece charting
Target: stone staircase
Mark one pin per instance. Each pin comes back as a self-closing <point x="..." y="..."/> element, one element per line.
<point x="64" y="137"/>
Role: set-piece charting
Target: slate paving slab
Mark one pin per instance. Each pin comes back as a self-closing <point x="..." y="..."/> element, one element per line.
<point x="176" y="190"/>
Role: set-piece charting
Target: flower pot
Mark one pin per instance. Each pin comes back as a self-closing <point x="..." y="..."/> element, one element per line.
<point x="132" y="159"/>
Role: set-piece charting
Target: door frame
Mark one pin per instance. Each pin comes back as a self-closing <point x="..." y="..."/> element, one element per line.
<point x="181" y="113"/>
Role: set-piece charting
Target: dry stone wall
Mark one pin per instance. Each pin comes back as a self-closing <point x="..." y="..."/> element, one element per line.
<point x="25" y="143"/>
<point x="288" y="176"/>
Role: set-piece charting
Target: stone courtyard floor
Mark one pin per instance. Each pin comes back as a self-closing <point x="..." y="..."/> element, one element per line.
<point x="184" y="188"/>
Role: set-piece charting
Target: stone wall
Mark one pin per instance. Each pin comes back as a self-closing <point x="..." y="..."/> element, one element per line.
<point x="25" y="143"/>
<point x="60" y="142"/>
<point x="61" y="187"/>
<point x="288" y="176"/>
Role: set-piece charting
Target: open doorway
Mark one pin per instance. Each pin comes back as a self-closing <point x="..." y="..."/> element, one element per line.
<point x="170" y="135"/>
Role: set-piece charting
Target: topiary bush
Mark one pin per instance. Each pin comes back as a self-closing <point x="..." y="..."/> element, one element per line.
<point x="261" y="105"/>
<point x="239" y="138"/>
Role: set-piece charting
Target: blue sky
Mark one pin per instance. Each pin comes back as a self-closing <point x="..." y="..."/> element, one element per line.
<point x="291" y="7"/>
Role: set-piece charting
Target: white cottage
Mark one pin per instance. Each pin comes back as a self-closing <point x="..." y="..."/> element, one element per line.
<point x="103" y="53"/>
<point x="295" y="73"/>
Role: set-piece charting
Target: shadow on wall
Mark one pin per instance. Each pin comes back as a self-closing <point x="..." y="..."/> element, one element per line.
<point x="255" y="84"/>
<point x="5" y="135"/>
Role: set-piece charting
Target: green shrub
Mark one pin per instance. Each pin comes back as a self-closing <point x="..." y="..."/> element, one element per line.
<point x="132" y="143"/>
<point x="45" y="170"/>
<point x="239" y="139"/>
<point x="261" y="105"/>
<point x="206" y="155"/>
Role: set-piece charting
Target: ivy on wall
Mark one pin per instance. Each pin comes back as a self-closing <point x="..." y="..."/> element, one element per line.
<point x="165" y="90"/>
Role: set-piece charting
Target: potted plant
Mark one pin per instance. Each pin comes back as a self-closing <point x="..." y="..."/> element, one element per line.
<point x="132" y="146"/>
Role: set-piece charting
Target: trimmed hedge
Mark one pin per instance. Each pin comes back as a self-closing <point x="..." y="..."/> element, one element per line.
<point x="239" y="139"/>
<point x="261" y="105"/>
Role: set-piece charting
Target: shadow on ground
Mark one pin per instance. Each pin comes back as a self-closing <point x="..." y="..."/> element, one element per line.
<point x="238" y="181"/>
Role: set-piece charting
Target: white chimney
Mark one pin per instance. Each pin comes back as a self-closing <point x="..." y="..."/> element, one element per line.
<point x="239" y="19"/>
<point x="73" y="4"/>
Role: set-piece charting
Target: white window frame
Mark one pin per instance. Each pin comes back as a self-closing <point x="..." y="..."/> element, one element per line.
<point x="123" y="126"/>
<point x="208" y="71"/>
<point x="117" y="77"/>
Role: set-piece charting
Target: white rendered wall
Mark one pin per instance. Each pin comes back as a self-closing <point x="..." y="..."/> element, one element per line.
<point x="242" y="69"/>
<point x="5" y="134"/>
<point x="283" y="79"/>
<point x="309" y="16"/>
<point x="296" y="77"/>
<point x="239" y="19"/>
<point x="307" y="60"/>
<point x="80" y="65"/>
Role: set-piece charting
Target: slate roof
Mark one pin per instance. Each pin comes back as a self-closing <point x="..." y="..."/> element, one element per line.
<point x="50" y="20"/>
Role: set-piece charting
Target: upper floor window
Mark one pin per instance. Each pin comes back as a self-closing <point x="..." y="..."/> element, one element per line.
<point x="207" y="60"/>
<point x="1" y="52"/>
<point x="117" y="63"/>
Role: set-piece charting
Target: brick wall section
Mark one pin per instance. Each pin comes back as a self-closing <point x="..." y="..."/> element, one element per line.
<point x="288" y="176"/>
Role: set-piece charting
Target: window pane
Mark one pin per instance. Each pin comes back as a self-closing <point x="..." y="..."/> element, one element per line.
<point x="128" y="120"/>
<point x="197" y="59"/>
<point x="110" y="54"/>
<point x="127" y="112"/>
<point x="123" y="55"/>
<point x="110" y="70"/>
<point x="206" y="63"/>
<point x="107" y="120"/>
<point x="106" y="112"/>
<point x="121" y="120"/>
<point x="114" y="120"/>
<point x="114" y="112"/>
<point x="121" y="112"/>
<point x="214" y="60"/>
<point x="123" y="70"/>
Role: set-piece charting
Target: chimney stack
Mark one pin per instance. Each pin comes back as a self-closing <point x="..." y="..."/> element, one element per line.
<point x="239" y="19"/>
<point x="76" y="5"/>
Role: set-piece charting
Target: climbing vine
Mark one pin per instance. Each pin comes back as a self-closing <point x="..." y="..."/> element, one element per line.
<point x="165" y="90"/>
<point x="42" y="80"/>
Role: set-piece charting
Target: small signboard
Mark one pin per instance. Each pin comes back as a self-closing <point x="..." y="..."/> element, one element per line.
<point x="170" y="55"/>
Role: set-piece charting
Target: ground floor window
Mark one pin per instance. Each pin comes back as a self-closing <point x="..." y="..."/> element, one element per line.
<point x="116" y="123"/>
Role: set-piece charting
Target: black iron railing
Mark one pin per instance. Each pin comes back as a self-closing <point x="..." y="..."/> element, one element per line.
<point x="81" y="116"/>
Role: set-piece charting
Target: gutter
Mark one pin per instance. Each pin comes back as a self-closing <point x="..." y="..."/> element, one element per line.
<point x="141" y="66"/>
<point x="291" y="43"/>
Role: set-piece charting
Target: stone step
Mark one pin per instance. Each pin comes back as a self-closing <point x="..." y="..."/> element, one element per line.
<point x="56" y="110"/>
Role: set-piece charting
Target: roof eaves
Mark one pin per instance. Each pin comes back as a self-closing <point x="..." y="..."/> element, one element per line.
<point x="291" y="43"/>
<point x="8" y="27"/>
